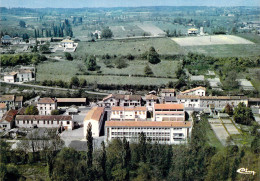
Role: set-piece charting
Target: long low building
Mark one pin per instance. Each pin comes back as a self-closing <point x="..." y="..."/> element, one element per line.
<point x="128" y="113"/>
<point x="44" y="121"/>
<point x="67" y="102"/>
<point x="168" y="112"/>
<point x="169" y="132"/>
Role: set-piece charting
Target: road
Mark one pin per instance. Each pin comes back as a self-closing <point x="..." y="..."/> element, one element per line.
<point x="53" y="88"/>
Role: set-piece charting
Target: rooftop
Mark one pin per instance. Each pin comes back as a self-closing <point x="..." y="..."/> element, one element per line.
<point x="71" y="100"/>
<point x="46" y="100"/>
<point x="9" y="115"/>
<point x="151" y="97"/>
<point x="43" y="117"/>
<point x="121" y="96"/>
<point x="182" y="124"/>
<point x="7" y="98"/>
<point x="2" y="105"/>
<point x="67" y="41"/>
<point x="95" y="114"/>
<point x="19" y="99"/>
<point x="168" y="106"/>
<point x="128" y="108"/>
<point x="168" y="90"/>
<point x="194" y="89"/>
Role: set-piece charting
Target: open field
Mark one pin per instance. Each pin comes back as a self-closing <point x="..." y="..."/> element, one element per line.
<point x="124" y="47"/>
<point x="150" y="28"/>
<point x="211" y="40"/>
<point x="126" y="30"/>
<point x="64" y="70"/>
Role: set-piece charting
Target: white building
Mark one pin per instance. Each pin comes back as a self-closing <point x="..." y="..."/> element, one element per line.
<point x="24" y="75"/>
<point x="200" y="91"/>
<point x="7" y="121"/>
<point x="168" y="112"/>
<point x="128" y="113"/>
<point x="189" y="100"/>
<point x="168" y="93"/>
<point x="168" y="132"/>
<point x="192" y="31"/>
<point x="10" y="77"/>
<point x="121" y="100"/>
<point x="46" y="105"/>
<point x="12" y="101"/>
<point x="150" y="101"/>
<point x="95" y="117"/>
<point x="44" y="121"/>
<point x="67" y="43"/>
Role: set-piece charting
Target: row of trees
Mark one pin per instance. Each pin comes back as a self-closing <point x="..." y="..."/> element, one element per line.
<point x="18" y="59"/>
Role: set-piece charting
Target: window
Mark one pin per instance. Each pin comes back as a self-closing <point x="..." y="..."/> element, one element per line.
<point x="68" y="122"/>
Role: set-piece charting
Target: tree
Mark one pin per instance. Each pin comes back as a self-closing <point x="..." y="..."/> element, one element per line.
<point x="229" y="109"/>
<point x="243" y="114"/>
<point x="89" y="145"/>
<point x="74" y="81"/>
<point x="82" y="82"/>
<point x="55" y="112"/>
<point x="106" y="33"/>
<point x="91" y="63"/>
<point x="22" y="24"/>
<point x="45" y="48"/>
<point x="142" y="148"/>
<point x="31" y="110"/>
<point x="103" y="161"/>
<point x="68" y="56"/>
<point x="153" y="56"/>
<point x="126" y="157"/>
<point x="147" y="70"/>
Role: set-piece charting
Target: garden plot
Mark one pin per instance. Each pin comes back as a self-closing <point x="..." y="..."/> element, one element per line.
<point x="231" y="129"/>
<point x="211" y="40"/>
<point x="126" y="31"/>
<point x="151" y="28"/>
<point x="245" y="84"/>
<point x="215" y="83"/>
<point x="219" y="130"/>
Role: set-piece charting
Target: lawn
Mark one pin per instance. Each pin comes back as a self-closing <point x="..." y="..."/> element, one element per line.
<point x="212" y="140"/>
<point x="133" y="46"/>
<point x="33" y="171"/>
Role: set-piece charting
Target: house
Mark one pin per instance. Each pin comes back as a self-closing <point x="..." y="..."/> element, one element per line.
<point x="128" y="113"/>
<point x="44" y="40"/>
<point x="168" y="93"/>
<point x="121" y="100"/>
<point x="46" y="105"/>
<point x="192" y="31"/>
<point x="7" y="121"/>
<point x="24" y="75"/>
<point x="95" y="117"/>
<point x="200" y="91"/>
<point x="6" y="39"/>
<point x="3" y="109"/>
<point x="189" y="100"/>
<point x="67" y="102"/>
<point x="17" y="40"/>
<point x="9" y="100"/>
<point x="150" y="101"/>
<point x="67" y="43"/>
<point x="72" y="110"/>
<point x="44" y="121"/>
<point x="18" y="102"/>
<point x="164" y="132"/>
<point x="168" y="112"/>
<point x="10" y="77"/>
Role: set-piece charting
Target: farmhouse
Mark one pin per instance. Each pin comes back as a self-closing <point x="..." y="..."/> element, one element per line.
<point x="128" y="113"/>
<point x="121" y="100"/>
<point x="12" y="101"/>
<point x="189" y="100"/>
<point x="95" y="117"/>
<point x="10" y="77"/>
<point x="166" y="132"/>
<point x="22" y="75"/>
<point x="7" y="122"/>
<point x="192" y="31"/>
<point x="200" y="91"/>
<point x="67" y="43"/>
<point x="168" y="112"/>
<point x="46" y="105"/>
<point x="6" y="39"/>
<point x="3" y="108"/>
<point x="168" y="93"/>
<point x="44" y="121"/>
<point x="67" y="102"/>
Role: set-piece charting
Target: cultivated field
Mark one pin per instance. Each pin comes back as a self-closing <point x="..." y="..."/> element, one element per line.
<point x="151" y="28"/>
<point x="211" y="40"/>
<point x="126" y="30"/>
<point x="134" y="47"/>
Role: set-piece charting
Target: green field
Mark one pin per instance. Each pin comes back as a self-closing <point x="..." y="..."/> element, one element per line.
<point x="124" y="47"/>
<point x="64" y="70"/>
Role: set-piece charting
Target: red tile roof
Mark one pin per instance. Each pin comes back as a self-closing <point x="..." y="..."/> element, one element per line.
<point x="9" y="115"/>
<point x="2" y="105"/>
<point x="125" y="97"/>
<point x="185" y="124"/>
<point x="151" y="97"/>
<point x="191" y="90"/>
<point x="7" y="98"/>
<point x="19" y="99"/>
<point x="71" y="100"/>
<point x="95" y="113"/>
<point x="46" y="100"/>
<point x="168" y="90"/>
<point x="43" y="117"/>
<point x="168" y="106"/>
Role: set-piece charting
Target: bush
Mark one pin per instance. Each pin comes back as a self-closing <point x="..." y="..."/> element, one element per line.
<point x="153" y="56"/>
<point x="68" y="56"/>
<point x="120" y="63"/>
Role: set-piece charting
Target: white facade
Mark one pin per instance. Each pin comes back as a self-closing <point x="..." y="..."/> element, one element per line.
<point x="121" y="100"/>
<point x="55" y="121"/>
<point x="9" y="78"/>
<point x="67" y="43"/>
<point x="189" y="101"/>
<point x="24" y="76"/>
<point x="199" y="91"/>
<point x="5" y="124"/>
<point x="150" y="101"/>
<point x="168" y="93"/>
<point x="168" y="112"/>
<point x="46" y="105"/>
<point x="170" y="132"/>
<point x="95" y="117"/>
<point x="126" y="113"/>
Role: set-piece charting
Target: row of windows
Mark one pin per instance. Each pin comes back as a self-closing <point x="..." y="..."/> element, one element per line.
<point x="168" y="109"/>
<point x="134" y="128"/>
<point x="137" y="133"/>
<point x="148" y="138"/>
<point x="44" y="108"/>
<point x="136" y="112"/>
<point x="38" y="122"/>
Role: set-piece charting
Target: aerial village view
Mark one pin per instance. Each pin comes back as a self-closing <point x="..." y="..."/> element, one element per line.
<point x="129" y="90"/>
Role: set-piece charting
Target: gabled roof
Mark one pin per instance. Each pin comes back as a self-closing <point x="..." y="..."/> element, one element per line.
<point x="71" y="100"/>
<point x="24" y="71"/>
<point x="194" y="89"/>
<point x="46" y="100"/>
<point x="19" y="99"/>
<point x="168" y="106"/>
<point x="2" y="105"/>
<point x="118" y="108"/>
<point x="151" y="97"/>
<point x="125" y="97"/>
<point x="11" y="73"/>
<point x="6" y="37"/>
<point x="67" y="41"/>
<point x="9" y="115"/>
<point x="44" y="117"/>
<point x="7" y="98"/>
<point x="168" y="90"/>
<point x="188" y="97"/>
<point x="181" y="124"/>
<point x="95" y="114"/>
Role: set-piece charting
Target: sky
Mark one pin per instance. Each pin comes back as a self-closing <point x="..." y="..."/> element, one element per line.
<point x="122" y="3"/>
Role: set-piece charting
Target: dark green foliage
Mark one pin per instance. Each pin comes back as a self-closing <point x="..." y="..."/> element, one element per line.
<point x="243" y="114"/>
<point x="68" y="56"/>
<point x="74" y="81"/>
<point x="120" y="63"/>
<point x="153" y="56"/>
<point x="22" y="24"/>
<point x="55" y="112"/>
<point x="106" y="33"/>
<point x="31" y="110"/>
<point x="12" y="60"/>
<point x="45" y="48"/>
<point x="230" y="81"/>
<point x="91" y="63"/>
<point x="147" y="70"/>
<point x="229" y="109"/>
<point x="89" y="139"/>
